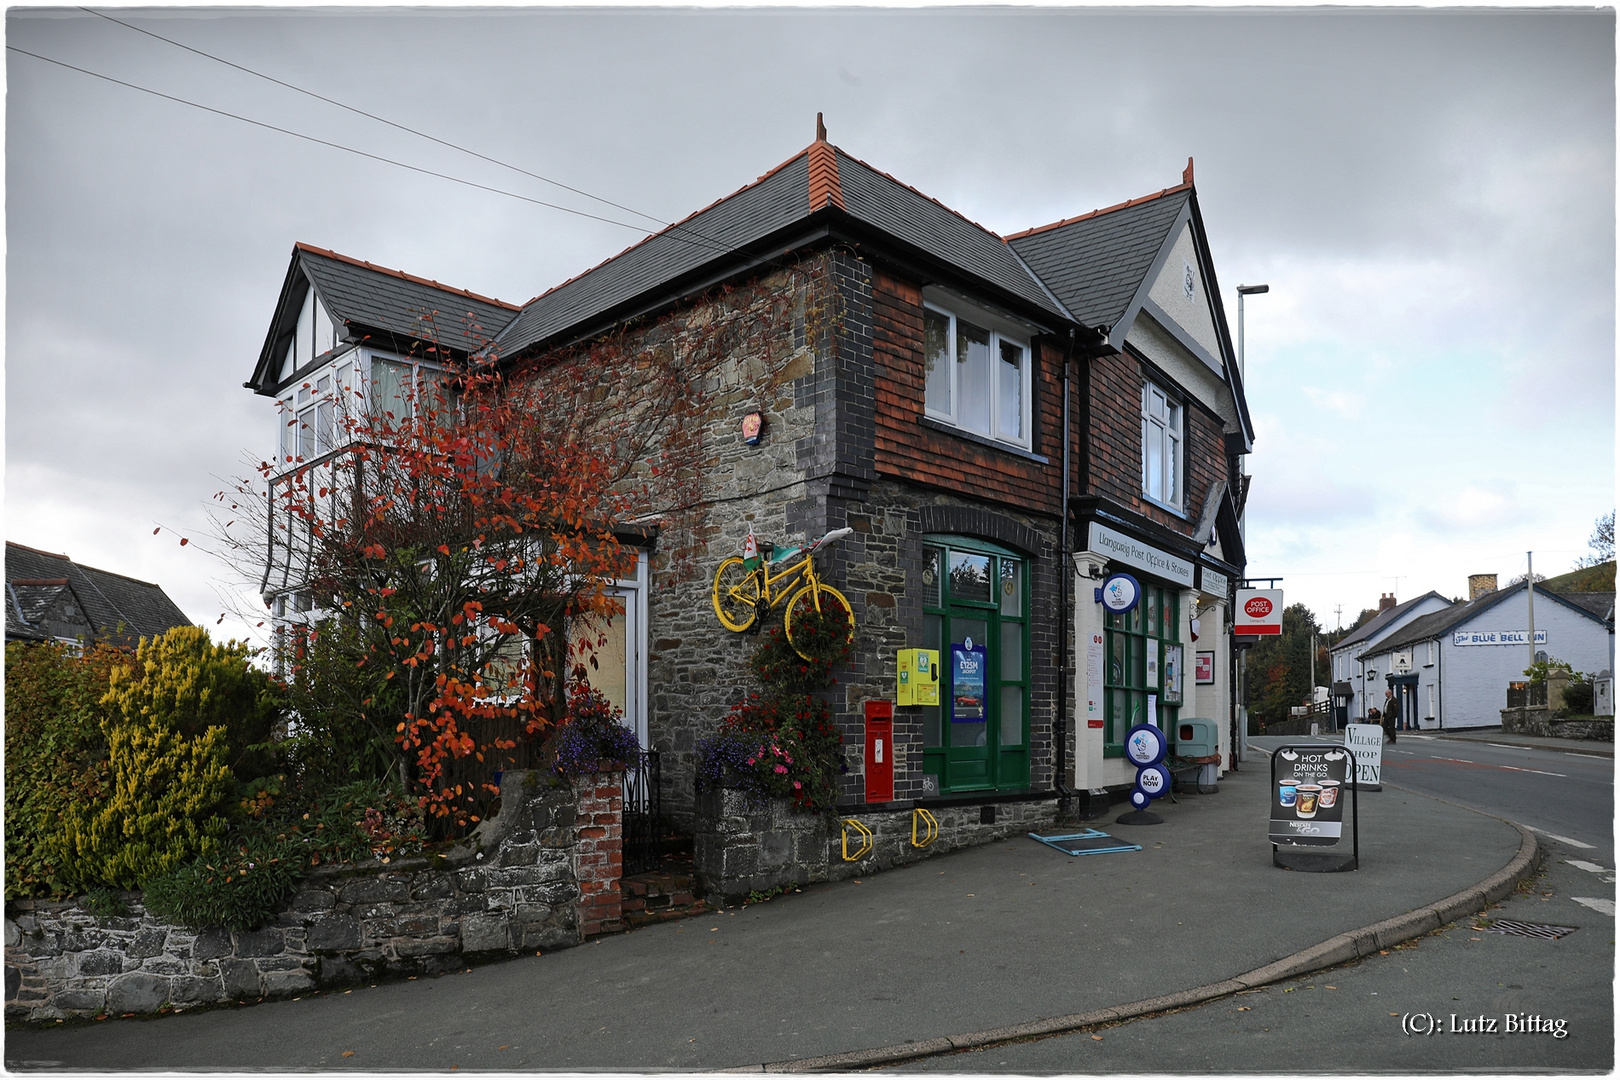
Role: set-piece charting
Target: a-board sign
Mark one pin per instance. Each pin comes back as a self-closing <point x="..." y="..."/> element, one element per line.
<point x="1366" y="743"/>
<point x="1308" y="782"/>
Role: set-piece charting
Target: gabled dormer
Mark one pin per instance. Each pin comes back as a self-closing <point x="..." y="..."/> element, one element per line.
<point x="347" y="332"/>
<point x="1141" y="272"/>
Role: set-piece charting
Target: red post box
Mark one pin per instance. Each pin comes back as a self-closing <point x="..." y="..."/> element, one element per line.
<point x="879" y="751"/>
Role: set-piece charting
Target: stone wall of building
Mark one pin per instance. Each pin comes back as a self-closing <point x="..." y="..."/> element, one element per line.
<point x="742" y="847"/>
<point x="697" y="669"/>
<point x="542" y="874"/>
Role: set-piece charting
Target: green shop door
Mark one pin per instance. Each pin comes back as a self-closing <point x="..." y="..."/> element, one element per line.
<point x="975" y="612"/>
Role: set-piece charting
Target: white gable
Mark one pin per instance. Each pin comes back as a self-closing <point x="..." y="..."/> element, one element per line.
<point x="316" y="334"/>
<point x="1181" y="291"/>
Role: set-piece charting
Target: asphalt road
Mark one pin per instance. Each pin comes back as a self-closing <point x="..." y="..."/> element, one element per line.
<point x="1372" y="1016"/>
<point x="1560" y="793"/>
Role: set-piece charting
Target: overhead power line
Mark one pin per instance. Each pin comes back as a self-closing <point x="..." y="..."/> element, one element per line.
<point x="347" y="149"/>
<point x="379" y="119"/>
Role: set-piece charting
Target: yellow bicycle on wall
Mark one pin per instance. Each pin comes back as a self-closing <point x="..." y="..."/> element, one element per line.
<point x="742" y="587"/>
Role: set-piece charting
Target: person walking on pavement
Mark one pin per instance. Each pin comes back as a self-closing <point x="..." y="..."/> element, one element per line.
<point x="1391" y="715"/>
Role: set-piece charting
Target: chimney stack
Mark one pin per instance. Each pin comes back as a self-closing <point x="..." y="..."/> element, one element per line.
<point x="1480" y="584"/>
<point x="1385" y="602"/>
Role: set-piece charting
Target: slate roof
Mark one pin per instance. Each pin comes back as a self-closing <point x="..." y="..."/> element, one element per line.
<point x="821" y="181"/>
<point x="1096" y="263"/>
<point x="1373" y="626"/>
<point x="1600" y="604"/>
<point x="1439" y="622"/>
<point x="371" y="299"/>
<point x="374" y="296"/>
<point x="39" y="581"/>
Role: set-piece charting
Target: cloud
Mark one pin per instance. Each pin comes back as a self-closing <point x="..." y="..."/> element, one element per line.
<point x="1470" y="508"/>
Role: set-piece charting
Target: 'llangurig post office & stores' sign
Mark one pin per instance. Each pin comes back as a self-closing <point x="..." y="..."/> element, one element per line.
<point x="1121" y="548"/>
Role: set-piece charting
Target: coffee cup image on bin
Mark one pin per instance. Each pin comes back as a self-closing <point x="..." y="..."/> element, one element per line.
<point x="1305" y="802"/>
<point x="1287" y="792"/>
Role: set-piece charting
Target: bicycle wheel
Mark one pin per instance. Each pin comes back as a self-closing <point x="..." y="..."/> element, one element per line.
<point x="830" y="600"/>
<point x="736" y="595"/>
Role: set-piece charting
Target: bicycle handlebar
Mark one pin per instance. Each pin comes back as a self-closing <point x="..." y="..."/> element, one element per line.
<point x="831" y="538"/>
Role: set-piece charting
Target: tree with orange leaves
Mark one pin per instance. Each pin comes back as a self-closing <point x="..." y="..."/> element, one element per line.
<point x="445" y="545"/>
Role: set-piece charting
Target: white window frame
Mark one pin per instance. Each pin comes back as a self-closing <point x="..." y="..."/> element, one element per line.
<point x="1000" y="331"/>
<point x="1164" y="425"/>
<point x="371" y="357"/>
<point x="299" y="405"/>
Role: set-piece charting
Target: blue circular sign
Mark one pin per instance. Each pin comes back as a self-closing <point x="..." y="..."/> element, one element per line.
<point x="1140" y="798"/>
<point x="1145" y="745"/>
<point x="1153" y="781"/>
<point x="1120" y="593"/>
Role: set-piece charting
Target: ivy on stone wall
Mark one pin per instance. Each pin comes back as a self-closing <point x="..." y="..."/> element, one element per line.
<point x="780" y="741"/>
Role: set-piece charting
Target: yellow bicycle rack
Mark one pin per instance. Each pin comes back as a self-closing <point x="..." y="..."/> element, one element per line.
<point x="930" y="828"/>
<point x="865" y="835"/>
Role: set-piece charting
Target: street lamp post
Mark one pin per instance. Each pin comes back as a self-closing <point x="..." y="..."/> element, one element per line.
<point x="1240" y="666"/>
<point x="1245" y="290"/>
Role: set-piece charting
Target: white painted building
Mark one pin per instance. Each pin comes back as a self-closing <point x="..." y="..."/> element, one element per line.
<point x="1347" y="658"/>
<point x="1451" y="669"/>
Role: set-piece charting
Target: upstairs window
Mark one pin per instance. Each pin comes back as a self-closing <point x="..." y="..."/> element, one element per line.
<point x="978" y="375"/>
<point x="1161" y="447"/>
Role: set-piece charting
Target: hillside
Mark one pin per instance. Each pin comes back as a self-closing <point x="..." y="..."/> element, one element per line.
<point x="1599" y="578"/>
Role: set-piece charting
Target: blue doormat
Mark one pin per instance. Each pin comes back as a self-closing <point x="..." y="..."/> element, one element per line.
<point x="1090" y="842"/>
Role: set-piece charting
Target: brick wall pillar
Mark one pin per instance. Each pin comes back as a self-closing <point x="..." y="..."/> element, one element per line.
<point x="599" y="851"/>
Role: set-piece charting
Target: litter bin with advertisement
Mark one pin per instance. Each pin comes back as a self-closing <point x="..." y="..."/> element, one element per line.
<point x="1197" y="756"/>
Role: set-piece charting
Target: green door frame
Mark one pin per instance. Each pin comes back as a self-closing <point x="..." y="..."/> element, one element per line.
<point x="995" y="763"/>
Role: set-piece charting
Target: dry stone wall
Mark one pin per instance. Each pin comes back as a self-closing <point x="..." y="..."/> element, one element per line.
<point x="542" y="874"/>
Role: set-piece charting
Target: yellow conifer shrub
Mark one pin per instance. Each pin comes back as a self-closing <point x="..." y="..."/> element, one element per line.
<point x="176" y="721"/>
<point x="165" y="808"/>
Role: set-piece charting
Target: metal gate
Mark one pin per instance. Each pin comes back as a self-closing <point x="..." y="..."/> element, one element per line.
<point x="642" y="847"/>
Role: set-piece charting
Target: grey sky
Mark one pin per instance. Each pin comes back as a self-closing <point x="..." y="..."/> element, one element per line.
<point x="1429" y="193"/>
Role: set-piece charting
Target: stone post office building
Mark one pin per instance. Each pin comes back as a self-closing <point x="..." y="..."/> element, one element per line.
<point x="1001" y="420"/>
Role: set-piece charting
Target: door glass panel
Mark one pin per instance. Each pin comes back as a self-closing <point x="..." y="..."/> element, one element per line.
<point x="605" y="656"/>
<point x="1012" y="588"/>
<point x="970" y="580"/>
<point x="1012" y="715"/>
<point x="937" y="358"/>
<point x="1012" y="652"/>
<point x="968" y="689"/>
<point x="973" y="377"/>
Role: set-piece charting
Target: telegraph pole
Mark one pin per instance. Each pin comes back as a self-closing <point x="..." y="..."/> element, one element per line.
<point x="1530" y="600"/>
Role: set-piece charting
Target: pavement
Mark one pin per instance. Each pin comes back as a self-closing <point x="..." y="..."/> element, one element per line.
<point x="975" y="947"/>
